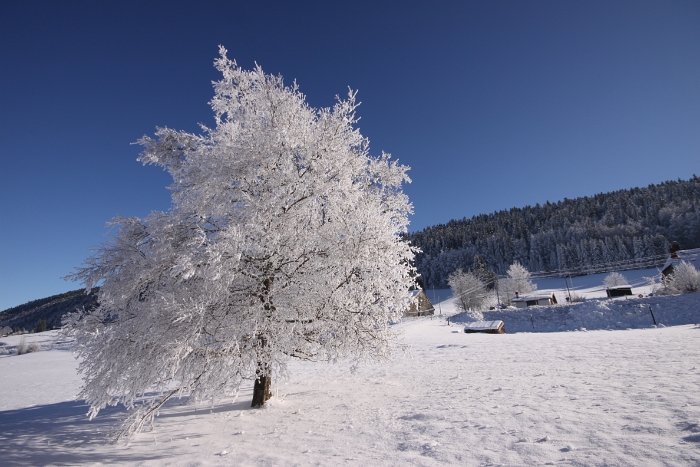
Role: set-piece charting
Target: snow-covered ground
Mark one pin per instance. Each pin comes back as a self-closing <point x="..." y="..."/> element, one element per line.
<point x="591" y="286"/>
<point x="596" y="398"/>
<point x="594" y="313"/>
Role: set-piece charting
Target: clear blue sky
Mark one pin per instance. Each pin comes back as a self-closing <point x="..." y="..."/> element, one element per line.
<point x="493" y="104"/>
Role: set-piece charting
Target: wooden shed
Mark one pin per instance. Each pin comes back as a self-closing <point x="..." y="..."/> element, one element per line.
<point x="618" y="291"/>
<point x="420" y="305"/>
<point x="486" y="327"/>
<point x="534" y="299"/>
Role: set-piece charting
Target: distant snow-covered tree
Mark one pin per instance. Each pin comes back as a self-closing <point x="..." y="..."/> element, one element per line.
<point x="517" y="280"/>
<point x="22" y="347"/>
<point x="685" y="278"/>
<point x="614" y="279"/>
<point x="469" y="290"/>
<point x="283" y="241"/>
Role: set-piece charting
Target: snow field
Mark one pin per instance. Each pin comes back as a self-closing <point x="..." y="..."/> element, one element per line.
<point x="591" y="286"/>
<point x="620" y="398"/>
<point x="596" y="312"/>
<point x="611" y="314"/>
<point x="36" y="378"/>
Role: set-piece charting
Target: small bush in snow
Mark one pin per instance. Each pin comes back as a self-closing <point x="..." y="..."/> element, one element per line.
<point x="650" y="281"/>
<point x="22" y="346"/>
<point x="663" y="287"/>
<point x="3" y="350"/>
<point x="33" y="347"/>
<point x="614" y="279"/>
<point x="576" y="298"/>
<point x="685" y="278"/>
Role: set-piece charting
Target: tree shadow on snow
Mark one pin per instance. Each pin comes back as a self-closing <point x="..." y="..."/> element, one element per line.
<point x="61" y="434"/>
<point x="693" y="428"/>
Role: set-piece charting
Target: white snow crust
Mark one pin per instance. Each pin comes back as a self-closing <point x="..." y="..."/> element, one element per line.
<point x="596" y="398"/>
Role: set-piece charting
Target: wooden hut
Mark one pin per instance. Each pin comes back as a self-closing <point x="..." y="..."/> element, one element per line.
<point x="618" y="291"/>
<point x="486" y="327"/>
<point x="420" y="305"/>
<point x="534" y="299"/>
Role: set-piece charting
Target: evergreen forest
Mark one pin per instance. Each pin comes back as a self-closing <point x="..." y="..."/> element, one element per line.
<point x="624" y="229"/>
<point x="46" y="313"/>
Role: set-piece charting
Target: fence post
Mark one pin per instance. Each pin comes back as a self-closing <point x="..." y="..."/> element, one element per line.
<point x="652" y="315"/>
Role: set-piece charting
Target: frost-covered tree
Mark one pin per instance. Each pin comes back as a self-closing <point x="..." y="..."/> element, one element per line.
<point x="614" y="279"/>
<point x="283" y="241"/>
<point x="469" y="290"/>
<point x="685" y="278"/>
<point x="517" y="280"/>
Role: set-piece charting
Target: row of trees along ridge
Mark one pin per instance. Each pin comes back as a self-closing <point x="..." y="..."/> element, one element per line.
<point x="630" y="228"/>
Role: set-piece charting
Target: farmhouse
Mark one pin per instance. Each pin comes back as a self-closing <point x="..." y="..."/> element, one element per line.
<point x="676" y="256"/>
<point x="534" y="299"/>
<point x="420" y="305"/>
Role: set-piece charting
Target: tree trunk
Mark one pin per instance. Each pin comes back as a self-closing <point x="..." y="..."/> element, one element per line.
<point x="263" y="381"/>
<point x="261" y="389"/>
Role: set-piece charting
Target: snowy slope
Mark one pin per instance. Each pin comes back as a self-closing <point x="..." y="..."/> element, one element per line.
<point x="596" y="312"/>
<point x="591" y="286"/>
<point x="618" y="313"/>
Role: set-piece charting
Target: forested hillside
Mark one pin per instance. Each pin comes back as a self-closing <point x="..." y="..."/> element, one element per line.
<point x="630" y="228"/>
<point x="46" y="313"/>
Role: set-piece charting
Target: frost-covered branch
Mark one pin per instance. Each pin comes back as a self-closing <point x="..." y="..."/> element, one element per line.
<point x="281" y="242"/>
